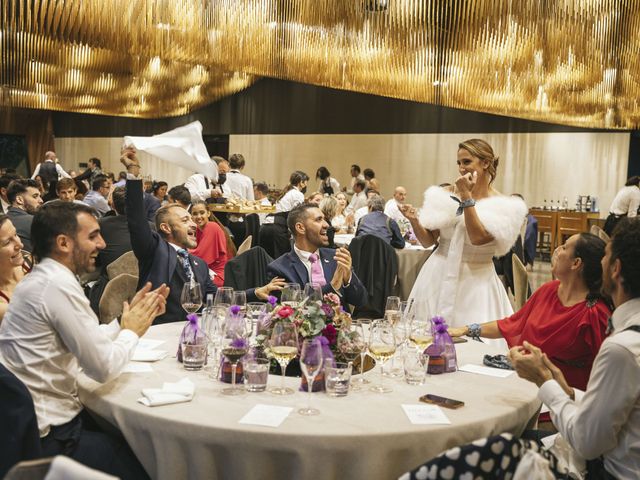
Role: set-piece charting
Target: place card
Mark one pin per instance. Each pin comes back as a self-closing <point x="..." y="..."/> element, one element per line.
<point x="133" y="367"/>
<point x="489" y="371"/>
<point x="147" y="344"/>
<point x="425" y="414"/>
<point x="266" y="415"/>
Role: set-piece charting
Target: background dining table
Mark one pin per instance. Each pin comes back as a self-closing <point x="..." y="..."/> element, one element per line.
<point x="363" y="435"/>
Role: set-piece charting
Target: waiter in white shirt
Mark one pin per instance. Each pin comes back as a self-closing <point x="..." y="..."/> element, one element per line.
<point x="601" y="425"/>
<point x="202" y="187"/>
<point x="625" y="204"/>
<point x="239" y="187"/>
<point x="49" y="332"/>
<point x="50" y="170"/>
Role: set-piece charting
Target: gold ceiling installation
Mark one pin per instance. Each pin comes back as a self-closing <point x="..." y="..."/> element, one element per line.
<point x="566" y="61"/>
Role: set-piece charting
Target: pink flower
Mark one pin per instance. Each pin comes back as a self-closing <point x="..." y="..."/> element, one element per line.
<point x="285" y="312"/>
<point x="332" y="298"/>
<point x="330" y="333"/>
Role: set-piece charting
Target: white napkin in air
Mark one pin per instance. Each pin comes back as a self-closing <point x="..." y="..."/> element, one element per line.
<point x="176" y="392"/>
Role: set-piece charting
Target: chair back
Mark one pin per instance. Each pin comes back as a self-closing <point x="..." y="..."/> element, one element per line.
<point x="252" y="223"/>
<point x="125" y="263"/>
<point x="248" y="270"/>
<point x="244" y="246"/>
<point x="118" y="289"/>
<point x="30" y="470"/>
<point x="520" y="283"/>
<point x="599" y="232"/>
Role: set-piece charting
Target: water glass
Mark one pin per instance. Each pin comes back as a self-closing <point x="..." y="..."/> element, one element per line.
<point x="256" y="373"/>
<point x="224" y="297"/>
<point x="337" y="379"/>
<point x="194" y="356"/>
<point x="311" y="361"/>
<point x="415" y="367"/>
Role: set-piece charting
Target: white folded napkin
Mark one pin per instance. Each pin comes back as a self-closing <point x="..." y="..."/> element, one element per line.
<point x="148" y="355"/>
<point x="64" y="468"/>
<point x="182" y="146"/>
<point x="176" y="392"/>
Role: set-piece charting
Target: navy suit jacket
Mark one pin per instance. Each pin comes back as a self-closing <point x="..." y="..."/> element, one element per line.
<point x="291" y="268"/>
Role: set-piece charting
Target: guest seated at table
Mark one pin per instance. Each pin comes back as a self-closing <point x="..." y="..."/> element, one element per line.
<point x="600" y="425"/>
<point x="212" y="243"/>
<point x="315" y="198"/>
<point x="97" y="196"/>
<point x="66" y="190"/>
<point x="567" y="317"/>
<point x="159" y="191"/>
<point x="364" y="210"/>
<point x="359" y="198"/>
<point x="371" y="181"/>
<point x="310" y="261"/>
<point x="339" y="221"/>
<point x="12" y="265"/>
<point x="329" y="207"/>
<point x="49" y="332"/>
<point x="378" y="224"/>
<point x="163" y="255"/>
<point x="25" y="200"/>
<point x="180" y="195"/>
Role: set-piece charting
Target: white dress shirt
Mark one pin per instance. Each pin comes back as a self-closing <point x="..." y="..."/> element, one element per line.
<point x="288" y="202"/>
<point x="265" y="203"/>
<point x="304" y="258"/>
<point x="391" y="210"/>
<point x="626" y="201"/>
<point x="605" y="420"/>
<point x="59" y="169"/>
<point x="48" y="332"/>
<point x="361" y="212"/>
<point x="5" y="205"/>
<point x="96" y="200"/>
<point x="329" y="182"/>
<point x="358" y="200"/>
<point x="197" y="187"/>
<point x="352" y="182"/>
<point x="238" y="185"/>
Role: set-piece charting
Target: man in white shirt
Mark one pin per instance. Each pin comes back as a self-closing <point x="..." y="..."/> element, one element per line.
<point x="239" y="187"/>
<point x="359" y="198"/>
<point x="355" y="176"/>
<point x="49" y="170"/>
<point x="202" y="187"/>
<point x="49" y="332"/>
<point x="392" y="210"/>
<point x="625" y="204"/>
<point x="260" y="191"/>
<point x="602" y="425"/>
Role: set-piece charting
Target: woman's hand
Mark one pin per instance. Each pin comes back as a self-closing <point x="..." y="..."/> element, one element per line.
<point x="276" y="283"/>
<point x="465" y="184"/>
<point x="409" y="212"/>
<point x="458" y="332"/>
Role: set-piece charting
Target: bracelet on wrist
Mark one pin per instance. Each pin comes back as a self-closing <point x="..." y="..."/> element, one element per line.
<point x="475" y="330"/>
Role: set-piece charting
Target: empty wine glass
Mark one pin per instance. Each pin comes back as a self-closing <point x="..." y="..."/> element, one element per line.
<point x="191" y="297"/>
<point x="313" y="292"/>
<point x="310" y="363"/>
<point x="382" y="345"/>
<point x="290" y="295"/>
<point x="284" y="348"/>
<point x="234" y="347"/>
<point x="240" y="299"/>
<point x="358" y="326"/>
<point x="392" y="310"/>
<point x="224" y="297"/>
<point x="254" y="310"/>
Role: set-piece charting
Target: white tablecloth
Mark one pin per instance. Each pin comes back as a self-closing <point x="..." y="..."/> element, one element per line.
<point x="363" y="435"/>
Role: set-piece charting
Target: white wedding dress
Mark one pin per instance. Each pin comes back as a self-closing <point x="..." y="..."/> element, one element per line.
<point x="458" y="281"/>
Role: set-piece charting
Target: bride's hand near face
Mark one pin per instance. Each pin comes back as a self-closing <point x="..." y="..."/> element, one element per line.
<point x="465" y="184"/>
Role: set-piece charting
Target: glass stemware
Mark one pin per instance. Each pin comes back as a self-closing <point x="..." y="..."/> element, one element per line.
<point x="310" y="363"/>
<point x="240" y="299"/>
<point x="392" y="310"/>
<point x="224" y="297"/>
<point x="284" y="348"/>
<point x="420" y="334"/>
<point x="358" y="328"/>
<point x="382" y="345"/>
<point x="290" y="295"/>
<point x="312" y="292"/>
<point x="254" y="310"/>
<point x="191" y="297"/>
<point x="234" y="347"/>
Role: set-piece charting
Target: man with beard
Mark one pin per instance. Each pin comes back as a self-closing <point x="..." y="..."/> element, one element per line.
<point x="25" y="200"/>
<point x="602" y="424"/>
<point x="311" y="262"/>
<point x="49" y="332"/>
<point x="163" y="256"/>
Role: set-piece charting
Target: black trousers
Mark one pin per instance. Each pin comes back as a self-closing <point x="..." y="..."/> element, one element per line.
<point x="84" y="441"/>
<point x="239" y="232"/>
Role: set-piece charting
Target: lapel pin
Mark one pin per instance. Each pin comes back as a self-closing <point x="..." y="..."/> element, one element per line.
<point x="326" y="261"/>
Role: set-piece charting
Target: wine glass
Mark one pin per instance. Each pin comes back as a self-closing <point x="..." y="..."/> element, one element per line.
<point x="224" y="297"/>
<point x="191" y="297"/>
<point x="240" y="299"/>
<point x="351" y="342"/>
<point x="234" y="347"/>
<point x="290" y="295"/>
<point x="382" y="345"/>
<point x="254" y="310"/>
<point x="420" y="333"/>
<point x="358" y="332"/>
<point x="312" y="292"/>
<point x="310" y="363"/>
<point x="284" y="348"/>
<point x="392" y="310"/>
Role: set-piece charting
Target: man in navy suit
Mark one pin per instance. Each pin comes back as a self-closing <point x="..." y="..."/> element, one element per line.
<point x="310" y="262"/>
<point x="163" y="256"/>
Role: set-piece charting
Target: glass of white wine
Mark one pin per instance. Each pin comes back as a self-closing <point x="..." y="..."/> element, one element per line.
<point x="284" y="348"/>
<point x="392" y="310"/>
<point x="291" y="294"/>
<point x="420" y="333"/>
<point x="191" y="297"/>
<point x="382" y="346"/>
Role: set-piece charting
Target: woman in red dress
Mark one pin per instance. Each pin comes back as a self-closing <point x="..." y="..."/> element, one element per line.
<point x="212" y="243"/>
<point x="567" y="317"/>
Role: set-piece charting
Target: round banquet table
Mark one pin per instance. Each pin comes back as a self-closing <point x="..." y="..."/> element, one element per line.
<point x="363" y="435"/>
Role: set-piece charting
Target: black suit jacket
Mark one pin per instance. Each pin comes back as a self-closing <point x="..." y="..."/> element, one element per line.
<point x="291" y="268"/>
<point x="22" y="221"/>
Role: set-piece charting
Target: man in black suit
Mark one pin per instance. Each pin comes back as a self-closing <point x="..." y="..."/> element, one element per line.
<point x="310" y="262"/>
<point x="163" y="256"/>
<point x="25" y="200"/>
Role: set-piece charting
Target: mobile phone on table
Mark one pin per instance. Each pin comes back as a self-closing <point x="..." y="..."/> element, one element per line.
<point x="441" y="401"/>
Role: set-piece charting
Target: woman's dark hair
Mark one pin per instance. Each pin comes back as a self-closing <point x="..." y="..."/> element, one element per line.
<point x="295" y="178"/>
<point x="355" y="168"/>
<point x="633" y="181"/>
<point x="96" y="162"/>
<point x="590" y="249"/>
<point x="155" y="186"/>
<point x="369" y="174"/>
<point x="53" y="219"/>
<point x="625" y="245"/>
<point x="322" y="173"/>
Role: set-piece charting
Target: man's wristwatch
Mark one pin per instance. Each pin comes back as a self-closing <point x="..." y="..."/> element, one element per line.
<point x="474" y="331"/>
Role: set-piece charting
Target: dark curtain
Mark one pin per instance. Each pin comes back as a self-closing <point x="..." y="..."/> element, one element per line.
<point x="35" y="125"/>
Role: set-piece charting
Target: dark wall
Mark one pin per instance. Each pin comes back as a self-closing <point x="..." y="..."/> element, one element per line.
<point x="273" y="106"/>
<point x="634" y="154"/>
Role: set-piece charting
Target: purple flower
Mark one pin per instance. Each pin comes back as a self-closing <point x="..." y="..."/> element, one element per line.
<point x="235" y="309"/>
<point x="437" y="320"/>
<point x="272" y="300"/>
<point x="239" y="343"/>
<point x="328" y="311"/>
<point x="264" y="321"/>
<point x="192" y="318"/>
<point x="441" y="328"/>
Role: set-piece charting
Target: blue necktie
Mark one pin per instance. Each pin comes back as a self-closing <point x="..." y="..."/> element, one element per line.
<point x="183" y="255"/>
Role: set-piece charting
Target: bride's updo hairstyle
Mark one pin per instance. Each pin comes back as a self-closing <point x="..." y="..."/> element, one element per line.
<point x="482" y="150"/>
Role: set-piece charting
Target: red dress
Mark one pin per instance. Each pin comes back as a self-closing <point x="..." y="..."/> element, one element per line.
<point x="570" y="336"/>
<point x="212" y="248"/>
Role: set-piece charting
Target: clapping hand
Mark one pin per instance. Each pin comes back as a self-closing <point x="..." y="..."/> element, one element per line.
<point x="528" y="361"/>
<point x="145" y="306"/>
<point x="342" y="274"/>
<point x="465" y="184"/>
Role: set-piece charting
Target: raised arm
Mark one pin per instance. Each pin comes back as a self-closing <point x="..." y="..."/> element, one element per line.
<point x="478" y="235"/>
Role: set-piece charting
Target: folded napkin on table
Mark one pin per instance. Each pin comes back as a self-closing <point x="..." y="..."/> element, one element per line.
<point x="143" y="355"/>
<point x="176" y="392"/>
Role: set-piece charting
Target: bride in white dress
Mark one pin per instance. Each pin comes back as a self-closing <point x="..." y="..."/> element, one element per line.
<point x="471" y="223"/>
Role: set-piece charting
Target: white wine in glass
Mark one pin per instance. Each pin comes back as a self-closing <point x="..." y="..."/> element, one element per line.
<point x="191" y="297"/>
<point x="420" y="333"/>
<point x="284" y="348"/>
